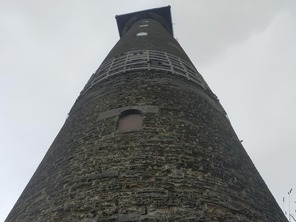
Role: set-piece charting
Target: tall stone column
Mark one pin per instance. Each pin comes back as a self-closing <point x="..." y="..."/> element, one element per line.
<point x="146" y="140"/>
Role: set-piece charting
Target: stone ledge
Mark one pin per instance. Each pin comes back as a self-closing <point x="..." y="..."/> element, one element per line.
<point x="116" y="112"/>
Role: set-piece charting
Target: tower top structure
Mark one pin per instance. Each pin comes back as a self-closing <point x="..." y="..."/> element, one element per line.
<point x="162" y="15"/>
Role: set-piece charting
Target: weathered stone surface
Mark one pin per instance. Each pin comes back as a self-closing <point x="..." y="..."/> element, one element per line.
<point x="186" y="164"/>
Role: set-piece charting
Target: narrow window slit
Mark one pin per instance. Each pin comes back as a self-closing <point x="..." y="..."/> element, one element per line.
<point x="142" y="34"/>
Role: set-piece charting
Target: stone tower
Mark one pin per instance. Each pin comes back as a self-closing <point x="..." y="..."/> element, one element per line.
<point x="146" y="140"/>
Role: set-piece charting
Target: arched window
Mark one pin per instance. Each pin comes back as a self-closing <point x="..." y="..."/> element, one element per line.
<point x="130" y="120"/>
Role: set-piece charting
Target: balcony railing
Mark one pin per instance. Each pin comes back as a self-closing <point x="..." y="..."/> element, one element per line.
<point x="145" y="60"/>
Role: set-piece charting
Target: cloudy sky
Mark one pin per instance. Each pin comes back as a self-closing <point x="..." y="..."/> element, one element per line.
<point x="244" y="49"/>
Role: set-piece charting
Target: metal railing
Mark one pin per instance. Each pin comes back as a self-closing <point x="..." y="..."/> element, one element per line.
<point x="145" y="60"/>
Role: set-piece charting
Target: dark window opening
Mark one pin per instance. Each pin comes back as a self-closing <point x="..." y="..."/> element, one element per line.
<point x="130" y="120"/>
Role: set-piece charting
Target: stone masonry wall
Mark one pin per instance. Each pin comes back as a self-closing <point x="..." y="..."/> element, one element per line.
<point x="186" y="164"/>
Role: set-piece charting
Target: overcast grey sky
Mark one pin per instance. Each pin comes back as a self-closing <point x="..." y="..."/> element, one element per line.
<point x="244" y="49"/>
